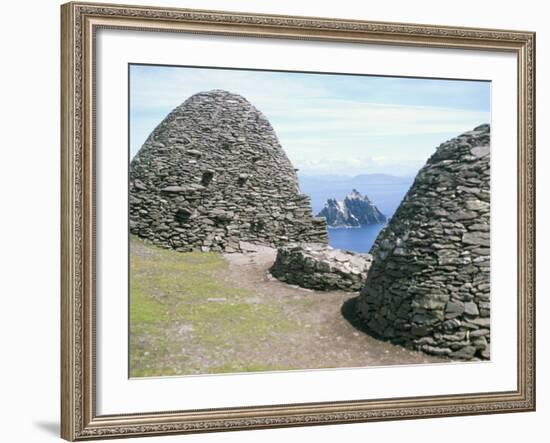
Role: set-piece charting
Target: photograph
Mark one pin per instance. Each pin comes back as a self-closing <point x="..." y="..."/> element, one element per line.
<point x="274" y="220"/>
<point x="289" y="220"/>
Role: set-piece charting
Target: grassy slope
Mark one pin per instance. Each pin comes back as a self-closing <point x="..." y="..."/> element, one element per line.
<point x="194" y="313"/>
<point x="183" y="317"/>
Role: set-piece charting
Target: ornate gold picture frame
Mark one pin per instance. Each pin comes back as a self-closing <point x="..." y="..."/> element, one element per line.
<point x="80" y="24"/>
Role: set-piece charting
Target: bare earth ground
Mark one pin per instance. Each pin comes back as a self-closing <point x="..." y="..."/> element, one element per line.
<point x="200" y="313"/>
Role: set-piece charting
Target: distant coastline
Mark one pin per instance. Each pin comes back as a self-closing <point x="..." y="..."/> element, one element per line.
<point x="385" y="190"/>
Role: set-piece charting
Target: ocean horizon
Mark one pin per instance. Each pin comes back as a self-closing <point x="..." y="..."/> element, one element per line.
<point x="385" y="191"/>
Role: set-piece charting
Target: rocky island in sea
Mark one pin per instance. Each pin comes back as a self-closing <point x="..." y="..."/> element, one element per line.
<point x="354" y="211"/>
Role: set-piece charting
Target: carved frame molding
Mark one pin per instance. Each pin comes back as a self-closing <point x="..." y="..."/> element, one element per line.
<point x="79" y="24"/>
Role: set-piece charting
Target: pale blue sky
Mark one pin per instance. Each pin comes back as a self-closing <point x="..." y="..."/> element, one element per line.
<point x="327" y="124"/>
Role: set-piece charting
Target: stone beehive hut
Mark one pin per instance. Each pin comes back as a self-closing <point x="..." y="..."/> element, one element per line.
<point x="213" y="175"/>
<point x="428" y="286"/>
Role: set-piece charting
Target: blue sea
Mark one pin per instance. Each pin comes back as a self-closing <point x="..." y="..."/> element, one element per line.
<point x="385" y="191"/>
<point x="354" y="239"/>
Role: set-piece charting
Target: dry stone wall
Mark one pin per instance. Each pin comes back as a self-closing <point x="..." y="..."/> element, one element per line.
<point x="428" y="287"/>
<point x="318" y="266"/>
<point x="213" y="175"/>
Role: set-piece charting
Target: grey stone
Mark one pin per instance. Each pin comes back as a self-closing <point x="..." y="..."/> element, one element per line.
<point x="318" y="266"/>
<point x="225" y="178"/>
<point x="482" y="322"/>
<point x="480" y="343"/>
<point x="434" y="350"/>
<point x="470" y="308"/>
<point x="174" y="189"/>
<point x="454" y="309"/>
<point x="465" y="353"/>
<point x="476" y="238"/>
<point x="435" y="279"/>
<point x="479" y="333"/>
<point x="138" y="184"/>
<point x="481" y="151"/>
<point x="477" y="205"/>
<point x="463" y="215"/>
<point x="419" y="330"/>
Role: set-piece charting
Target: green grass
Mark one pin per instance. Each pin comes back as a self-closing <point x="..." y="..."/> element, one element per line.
<point x="171" y="292"/>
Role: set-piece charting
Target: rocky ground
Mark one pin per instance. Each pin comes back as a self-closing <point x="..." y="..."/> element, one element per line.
<point x="196" y="313"/>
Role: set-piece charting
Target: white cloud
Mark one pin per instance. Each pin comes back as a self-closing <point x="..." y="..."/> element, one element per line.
<point x="321" y="126"/>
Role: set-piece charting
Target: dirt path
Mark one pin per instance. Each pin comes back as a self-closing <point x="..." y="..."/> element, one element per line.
<point x="322" y="337"/>
<point x="199" y="313"/>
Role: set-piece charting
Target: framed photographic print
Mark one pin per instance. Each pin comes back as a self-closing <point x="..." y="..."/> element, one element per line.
<point x="282" y="221"/>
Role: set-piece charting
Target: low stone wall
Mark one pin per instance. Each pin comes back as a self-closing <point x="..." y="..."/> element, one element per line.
<point x="319" y="266"/>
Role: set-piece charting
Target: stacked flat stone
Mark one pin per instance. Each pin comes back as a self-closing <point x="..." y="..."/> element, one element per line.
<point x="321" y="267"/>
<point x="428" y="286"/>
<point x="212" y="175"/>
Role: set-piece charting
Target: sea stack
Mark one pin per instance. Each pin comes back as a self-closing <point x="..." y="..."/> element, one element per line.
<point x="213" y="176"/>
<point x="428" y="287"/>
<point x="354" y="211"/>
